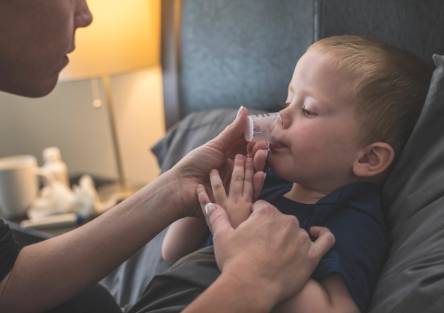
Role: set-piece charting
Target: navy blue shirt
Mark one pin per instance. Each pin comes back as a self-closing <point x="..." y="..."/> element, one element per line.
<point x="353" y="213"/>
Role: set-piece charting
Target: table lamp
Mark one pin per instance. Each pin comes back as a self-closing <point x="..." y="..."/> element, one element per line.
<point x="124" y="36"/>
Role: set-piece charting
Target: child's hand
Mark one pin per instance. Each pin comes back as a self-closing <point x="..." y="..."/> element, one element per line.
<point x="259" y="152"/>
<point x="244" y="187"/>
<point x="239" y="200"/>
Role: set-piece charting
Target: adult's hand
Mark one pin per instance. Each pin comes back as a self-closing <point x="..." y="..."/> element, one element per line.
<point x="195" y="167"/>
<point x="269" y="252"/>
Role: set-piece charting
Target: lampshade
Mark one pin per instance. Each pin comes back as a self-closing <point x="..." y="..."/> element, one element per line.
<point x="124" y="36"/>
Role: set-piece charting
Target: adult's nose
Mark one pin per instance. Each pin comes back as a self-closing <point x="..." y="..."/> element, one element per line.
<point x="83" y="16"/>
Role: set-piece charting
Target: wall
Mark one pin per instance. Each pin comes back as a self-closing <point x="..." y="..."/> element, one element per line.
<point x="67" y="119"/>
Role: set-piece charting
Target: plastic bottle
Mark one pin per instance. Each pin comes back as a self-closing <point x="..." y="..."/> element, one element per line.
<point x="54" y="167"/>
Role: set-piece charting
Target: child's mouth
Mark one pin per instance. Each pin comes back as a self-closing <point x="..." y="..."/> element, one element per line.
<point x="277" y="146"/>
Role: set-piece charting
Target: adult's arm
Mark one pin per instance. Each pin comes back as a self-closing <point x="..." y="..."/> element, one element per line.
<point x="50" y="272"/>
<point x="265" y="260"/>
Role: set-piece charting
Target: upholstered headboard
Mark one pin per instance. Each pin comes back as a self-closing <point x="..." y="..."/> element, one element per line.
<point x="228" y="53"/>
<point x="224" y="53"/>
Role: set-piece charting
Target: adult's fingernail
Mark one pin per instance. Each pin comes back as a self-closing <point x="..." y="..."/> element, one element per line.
<point x="240" y="110"/>
<point x="209" y="207"/>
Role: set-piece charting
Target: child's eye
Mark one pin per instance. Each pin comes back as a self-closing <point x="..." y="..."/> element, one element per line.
<point x="307" y="112"/>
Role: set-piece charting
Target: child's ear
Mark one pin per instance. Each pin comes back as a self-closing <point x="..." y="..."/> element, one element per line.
<point x="373" y="159"/>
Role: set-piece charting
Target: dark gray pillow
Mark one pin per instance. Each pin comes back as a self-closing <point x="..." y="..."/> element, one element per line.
<point x="194" y="130"/>
<point x="413" y="276"/>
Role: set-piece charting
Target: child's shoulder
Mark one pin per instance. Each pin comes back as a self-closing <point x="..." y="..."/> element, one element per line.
<point x="359" y="212"/>
<point x="359" y="196"/>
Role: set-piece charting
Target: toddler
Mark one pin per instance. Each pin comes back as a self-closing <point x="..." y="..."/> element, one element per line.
<point x="351" y="105"/>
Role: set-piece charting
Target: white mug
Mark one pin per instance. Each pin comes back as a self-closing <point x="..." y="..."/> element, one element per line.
<point x="18" y="185"/>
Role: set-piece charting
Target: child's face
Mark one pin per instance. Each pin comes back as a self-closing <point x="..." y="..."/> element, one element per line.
<point x="318" y="141"/>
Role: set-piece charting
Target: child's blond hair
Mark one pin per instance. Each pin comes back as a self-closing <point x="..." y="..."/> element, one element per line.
<point x="390" y="88"/>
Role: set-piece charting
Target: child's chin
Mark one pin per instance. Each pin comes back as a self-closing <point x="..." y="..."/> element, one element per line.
<point x="276" y="169"/>
<point x="275" y="162"/>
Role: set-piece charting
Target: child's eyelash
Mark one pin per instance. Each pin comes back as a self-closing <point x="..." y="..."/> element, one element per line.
<point x="307" y="112"/>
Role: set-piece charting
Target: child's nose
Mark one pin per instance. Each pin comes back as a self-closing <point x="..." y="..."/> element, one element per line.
<point x="278" y="121"/>
<point x="283" y="118"/>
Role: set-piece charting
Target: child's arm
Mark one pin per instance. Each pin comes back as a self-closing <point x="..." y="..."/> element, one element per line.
<point x="182" y="237"/>
<point x="329" y="296"/>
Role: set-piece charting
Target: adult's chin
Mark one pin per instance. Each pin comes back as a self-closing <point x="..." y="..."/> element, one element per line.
<point x="42" y="88"/>
<point x="32" y="88"/>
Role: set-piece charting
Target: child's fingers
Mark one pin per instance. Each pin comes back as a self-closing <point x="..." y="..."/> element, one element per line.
<point x="238" y="176"/>
<point x="227" y="171"/>
<point x="248" y="182"/>
<point x="258" y="183"/>
<point x="250" y="147"/>
<point x="259" y="159"/>
<point x="218" y="187"/>
<point x="259" y="145"/>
